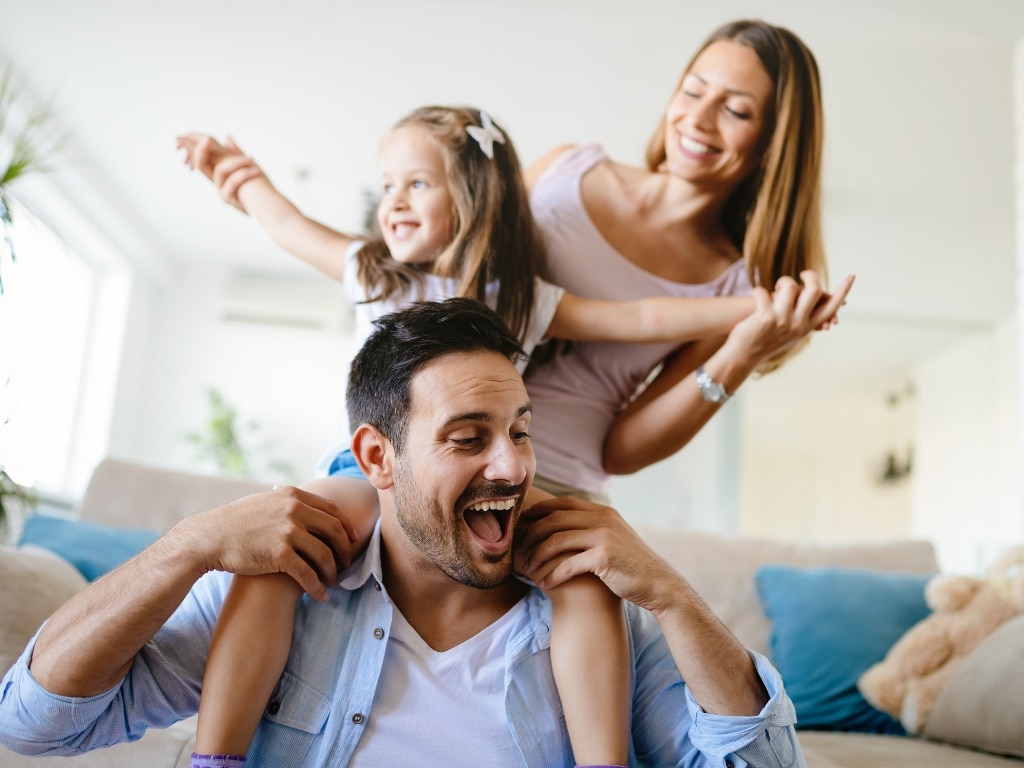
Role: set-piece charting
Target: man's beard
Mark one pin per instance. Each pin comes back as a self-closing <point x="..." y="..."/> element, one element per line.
<point x="442" y="537"/>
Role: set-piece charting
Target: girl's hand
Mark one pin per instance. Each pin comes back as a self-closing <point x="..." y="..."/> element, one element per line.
<point x="224" y="164"/>
<point x="203" y="152"/>
<point x="231" y="173"/>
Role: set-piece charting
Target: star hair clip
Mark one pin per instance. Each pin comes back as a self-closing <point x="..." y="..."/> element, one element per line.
<point x="487" y="135"/>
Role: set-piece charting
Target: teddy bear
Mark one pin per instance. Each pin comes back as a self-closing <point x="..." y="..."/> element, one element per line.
<point x="965" y="610"/>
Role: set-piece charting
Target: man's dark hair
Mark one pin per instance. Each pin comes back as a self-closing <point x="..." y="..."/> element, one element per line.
<point x="406" y="340"/>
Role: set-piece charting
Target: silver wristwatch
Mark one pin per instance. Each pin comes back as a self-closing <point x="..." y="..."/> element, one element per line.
<point x="711" y="390"/>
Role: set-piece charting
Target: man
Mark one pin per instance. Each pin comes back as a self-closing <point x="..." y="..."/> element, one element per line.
<point x="426" y="633"/>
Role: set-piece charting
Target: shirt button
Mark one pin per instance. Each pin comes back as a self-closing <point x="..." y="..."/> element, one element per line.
<point x="376" y="585"/>
<point x="358" y="718"/>
<point x="378" y="633"/>
<point x="729" y="764"/>
<point x="274" y="707"/>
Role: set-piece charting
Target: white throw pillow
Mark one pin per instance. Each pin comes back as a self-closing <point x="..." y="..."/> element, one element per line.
<point x="35" y="583"/>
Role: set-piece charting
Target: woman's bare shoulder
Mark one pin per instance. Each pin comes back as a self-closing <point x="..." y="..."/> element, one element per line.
<point x="536" y="169"/>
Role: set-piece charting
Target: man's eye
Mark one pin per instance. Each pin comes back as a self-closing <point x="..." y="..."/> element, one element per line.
<point x="466" y="442"/>
<point x="520" y="437"/>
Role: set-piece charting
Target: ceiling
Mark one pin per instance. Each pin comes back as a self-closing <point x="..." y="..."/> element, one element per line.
<point x="918" y="95"/>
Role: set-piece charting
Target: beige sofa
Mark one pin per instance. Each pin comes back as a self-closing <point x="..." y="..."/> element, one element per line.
<point x="721" y="568"/>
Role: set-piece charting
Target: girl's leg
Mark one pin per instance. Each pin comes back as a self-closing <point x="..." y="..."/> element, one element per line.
<point x="247" y="656"/>
<point x="592" y="669"/>
<point x="253" y="635"/>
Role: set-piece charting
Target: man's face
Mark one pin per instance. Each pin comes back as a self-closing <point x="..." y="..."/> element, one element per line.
<point x="461" y="479"/>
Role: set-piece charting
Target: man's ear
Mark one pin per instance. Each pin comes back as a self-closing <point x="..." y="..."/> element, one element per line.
<point x="375" y="456"/>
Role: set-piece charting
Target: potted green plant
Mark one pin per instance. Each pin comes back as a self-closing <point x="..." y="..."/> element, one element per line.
<point x="226" y="443"/>
<point x="15" y="500"/>
<point x="25" y="147"/>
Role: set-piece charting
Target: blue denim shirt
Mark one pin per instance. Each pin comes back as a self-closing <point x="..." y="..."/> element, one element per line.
<point x="319" y="708"/>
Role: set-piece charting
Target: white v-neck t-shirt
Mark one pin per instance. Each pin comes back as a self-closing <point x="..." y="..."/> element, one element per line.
<point x="441" y="707"/>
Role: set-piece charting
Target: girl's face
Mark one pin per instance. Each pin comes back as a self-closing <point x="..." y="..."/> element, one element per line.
<point x="415" y="211"/>
<point x="716" y="124"/>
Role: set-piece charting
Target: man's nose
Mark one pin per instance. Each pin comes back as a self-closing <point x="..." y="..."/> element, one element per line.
<point x="507" y="462"/>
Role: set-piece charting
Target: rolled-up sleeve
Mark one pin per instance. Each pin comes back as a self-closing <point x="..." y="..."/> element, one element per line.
<point x="161" y="688"/>
<point x="765" y="739"/>
<point x="670" y="728"/>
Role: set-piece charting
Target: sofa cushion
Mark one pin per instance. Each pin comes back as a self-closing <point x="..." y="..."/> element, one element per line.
<point x="91" y="547"/>
<point x="834" y="749"/>
<point x="36" y="583"/>
<point x="982" y="706"/>
<point x="828" y="626"/>
<point x="721" y="568"/>
<point x="170" y="747"/>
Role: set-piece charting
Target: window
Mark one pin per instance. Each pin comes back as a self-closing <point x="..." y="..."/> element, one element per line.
<point x="45" y="314"/>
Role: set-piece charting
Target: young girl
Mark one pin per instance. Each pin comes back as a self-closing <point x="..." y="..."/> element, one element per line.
<point x="453" y="220"/>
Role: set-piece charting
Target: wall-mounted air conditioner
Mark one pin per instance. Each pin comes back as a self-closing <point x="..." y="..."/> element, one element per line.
<point x="313" y="302"/>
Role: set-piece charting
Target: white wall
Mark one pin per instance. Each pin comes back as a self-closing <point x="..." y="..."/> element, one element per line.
<point x="697" y="488"/>
<point x="966" y="493"/>
<point x="809" y="469"/>
<point x="290" y="380"/>
<point x="795" y="468"/>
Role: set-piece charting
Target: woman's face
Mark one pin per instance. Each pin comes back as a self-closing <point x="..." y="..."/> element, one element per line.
<point x="716" y="123"/>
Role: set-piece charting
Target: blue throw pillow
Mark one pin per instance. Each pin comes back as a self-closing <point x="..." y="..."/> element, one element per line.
<point x="92" y="548"/>
<point x="828" y="626"/>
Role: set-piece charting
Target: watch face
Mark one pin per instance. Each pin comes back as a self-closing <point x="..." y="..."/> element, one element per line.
<point x="711" y="390"/>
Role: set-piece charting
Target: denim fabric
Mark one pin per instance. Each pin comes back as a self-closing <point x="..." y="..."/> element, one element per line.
<point x="345" y="465"/>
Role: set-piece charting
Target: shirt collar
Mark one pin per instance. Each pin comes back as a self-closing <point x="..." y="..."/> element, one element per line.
<point x="366" y="567"/>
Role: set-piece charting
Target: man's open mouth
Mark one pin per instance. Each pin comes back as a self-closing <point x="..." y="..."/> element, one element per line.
<point x="488" y="520"/>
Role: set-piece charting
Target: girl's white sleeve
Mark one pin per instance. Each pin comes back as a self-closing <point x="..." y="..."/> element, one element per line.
<point x="545" y="303"/>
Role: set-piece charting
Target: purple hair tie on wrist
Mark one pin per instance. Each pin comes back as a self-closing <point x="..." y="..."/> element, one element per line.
<point x="216" y="761"/>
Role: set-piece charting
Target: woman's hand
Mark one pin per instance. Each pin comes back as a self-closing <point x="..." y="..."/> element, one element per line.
<point x="786" y="316"/>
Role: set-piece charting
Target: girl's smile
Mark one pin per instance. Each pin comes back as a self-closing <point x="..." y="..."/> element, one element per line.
<point x="415" y="211"/>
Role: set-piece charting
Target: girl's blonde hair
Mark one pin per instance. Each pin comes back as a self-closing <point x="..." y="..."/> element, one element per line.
<point x="494" y="236"/>
<point x="774" y="216"/>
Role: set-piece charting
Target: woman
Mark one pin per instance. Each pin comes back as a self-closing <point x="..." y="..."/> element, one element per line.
<point x="730" y="198"/>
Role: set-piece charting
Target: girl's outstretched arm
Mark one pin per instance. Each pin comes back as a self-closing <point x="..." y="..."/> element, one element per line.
<point x="253" y="635"/>
<point x="659" y="318"/>
<point x="243" y="184"/>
